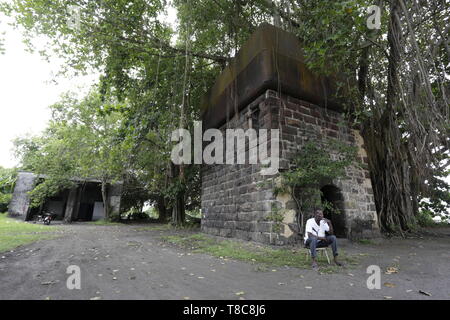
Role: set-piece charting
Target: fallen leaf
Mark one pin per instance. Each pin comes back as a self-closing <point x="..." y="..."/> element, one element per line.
<point x="387" y="297"/>
<point x="201" y="277"/>
<point x="241" y="298"/>
<point x="391" y="270"/>
<point x="425" y="293"/>
<point x="308" y="287"/>
<point x="390" y="285"/>
<point x="186" y="298"/>
<point x="351" y="275"/>
<point x="240" y="293"/>
<point x="95" y="298"/>
<point x="114" y="278"/>
<point x="274" y="270"/>
<point x="408" y="290"/>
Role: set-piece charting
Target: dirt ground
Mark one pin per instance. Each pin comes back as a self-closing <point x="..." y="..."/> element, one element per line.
<point x="124" y="262"/>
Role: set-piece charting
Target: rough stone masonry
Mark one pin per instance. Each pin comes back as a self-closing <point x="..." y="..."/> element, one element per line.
<point x="267" y="86"/>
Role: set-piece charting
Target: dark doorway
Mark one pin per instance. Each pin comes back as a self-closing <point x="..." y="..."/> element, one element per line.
<point x="333" y="195"/>
<point x="86" y="211"/>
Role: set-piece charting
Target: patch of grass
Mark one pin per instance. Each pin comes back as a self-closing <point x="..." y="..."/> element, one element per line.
<point x="103" y="222"/>
<point x="251" y="252"/>
<point x="155" y="227"/>
<point x="167" y="227"/>
<point x="14" y="233"/>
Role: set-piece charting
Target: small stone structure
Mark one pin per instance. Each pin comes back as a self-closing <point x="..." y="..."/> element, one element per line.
<point x="267" y="86"/>
<point x="82" y="202"/>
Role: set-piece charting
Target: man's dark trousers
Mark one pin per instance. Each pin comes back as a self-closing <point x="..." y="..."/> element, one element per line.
<point x="313" y="243"/>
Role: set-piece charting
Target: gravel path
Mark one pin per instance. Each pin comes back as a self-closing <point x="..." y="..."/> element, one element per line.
<point x="124" y="262"/>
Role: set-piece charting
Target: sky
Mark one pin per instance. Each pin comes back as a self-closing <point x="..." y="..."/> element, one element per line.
<point x="26" y="90"/>
<point x="27" y="87"/>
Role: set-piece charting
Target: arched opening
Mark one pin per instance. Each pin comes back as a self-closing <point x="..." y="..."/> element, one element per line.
<point x="335" y="209"/>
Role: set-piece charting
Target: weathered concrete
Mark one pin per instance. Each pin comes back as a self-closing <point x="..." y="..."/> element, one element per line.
<point x="73" y="203"/>
<point x="114" y="198"/>
<point x="83" y="192"/>
<point x="20" y="201"/>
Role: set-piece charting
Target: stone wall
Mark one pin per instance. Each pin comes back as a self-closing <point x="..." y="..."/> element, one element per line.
<point x="20" y="201"/>
<point x="237" y="200"/>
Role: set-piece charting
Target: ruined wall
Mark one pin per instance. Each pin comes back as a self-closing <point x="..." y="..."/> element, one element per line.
<point x="237" y="203"/>
<point x="20" y="201"/>
<point x="69" y="206"/>
<point x="114" y="197"/>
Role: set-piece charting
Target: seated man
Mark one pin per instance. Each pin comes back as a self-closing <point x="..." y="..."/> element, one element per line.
<point x="315" y="236"/>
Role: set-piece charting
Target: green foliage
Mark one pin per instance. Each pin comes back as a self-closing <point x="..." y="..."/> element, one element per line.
<point x="7" y="181"/>
<point x="152" y="213"/>
<point x="142" y="59"/>
<point x="136" y="214"/>
<point x="249" y="252"/>
<point x="15" y="233"/>
<point x="276" y="216"/>
<point x="103" y="222"/>
<point x="425" y="218"/>
<point x="312" y="167"/>
<point x="435" y="200"/>
<point x="80" y="142"/>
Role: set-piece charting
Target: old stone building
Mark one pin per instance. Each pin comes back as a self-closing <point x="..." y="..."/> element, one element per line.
<point x="83" y="202"/>
<point x="268" y="86"/>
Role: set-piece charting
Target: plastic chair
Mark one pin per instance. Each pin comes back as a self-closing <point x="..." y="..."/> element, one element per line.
<point x="321" y="251"/>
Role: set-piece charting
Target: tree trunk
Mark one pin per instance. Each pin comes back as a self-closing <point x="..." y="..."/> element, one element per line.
<point x="162" y="209"/>
<point x="387" y="153"/>
<point x="178" y="212"/>
<point x="105" y="199"/>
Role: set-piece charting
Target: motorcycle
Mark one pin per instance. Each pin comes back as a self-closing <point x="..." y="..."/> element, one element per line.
<point x="46" y="218"/>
